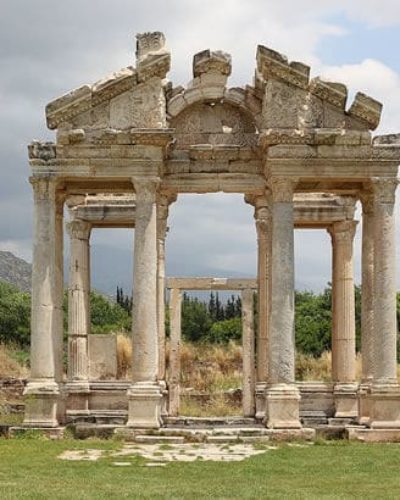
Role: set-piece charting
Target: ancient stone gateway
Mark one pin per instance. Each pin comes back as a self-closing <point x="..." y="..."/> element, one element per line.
<point x="291" y="147"/>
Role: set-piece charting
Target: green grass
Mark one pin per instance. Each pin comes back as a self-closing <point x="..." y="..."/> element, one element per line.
<point x="29" y="468"/>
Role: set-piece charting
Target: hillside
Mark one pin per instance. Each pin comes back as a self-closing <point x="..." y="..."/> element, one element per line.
<point x="16" y="271"/>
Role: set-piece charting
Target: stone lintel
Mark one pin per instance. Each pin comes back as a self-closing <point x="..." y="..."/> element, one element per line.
<point x="211" y="283"/>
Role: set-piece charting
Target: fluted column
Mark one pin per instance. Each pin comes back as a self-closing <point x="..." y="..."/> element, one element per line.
<point x="78" y="300"/>
<point x="145" y="394"/>
<point x="262" y="217"/>
<point x="248" y="354"/>
<point x="282" y="394"/>
<point x="343" y="319"/>
<point x="385" y="393"/>
<point x="42" y="391"/>
<point x="175" y="306"/>
<point x="367" y="309"/>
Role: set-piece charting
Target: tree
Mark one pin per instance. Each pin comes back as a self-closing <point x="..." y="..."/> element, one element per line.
<point x="196" y="320"/>
<point x="222" y="332"/>
<point x="15" y="315"/>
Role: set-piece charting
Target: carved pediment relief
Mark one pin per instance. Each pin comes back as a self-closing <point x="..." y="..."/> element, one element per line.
<point x="214" y="123"/>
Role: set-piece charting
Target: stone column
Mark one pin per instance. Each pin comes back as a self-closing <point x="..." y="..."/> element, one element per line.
<point x="343" y="319"/>
<point x="262" y="217"/>
<point x="79" y="313"/>
<point x="367" y="309"/>
<point x="248" y="398"/>
<point x="385" y="392"/>
<point x="144" y="394"/>
<point x="163" y="203"/>
<point x="42" y="391"/>
<point x="282" y="393"/>
<point x="175" y="305"/>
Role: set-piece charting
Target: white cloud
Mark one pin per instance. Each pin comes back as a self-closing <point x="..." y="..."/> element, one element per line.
<point x="375" y="79"/>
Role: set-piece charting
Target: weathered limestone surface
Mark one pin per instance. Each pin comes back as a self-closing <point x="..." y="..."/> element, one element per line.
<point x="102" y="350"/>
<point x="130" y="143"/>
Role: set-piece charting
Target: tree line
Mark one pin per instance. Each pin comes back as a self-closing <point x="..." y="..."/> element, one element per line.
<point x="212" y="320"/>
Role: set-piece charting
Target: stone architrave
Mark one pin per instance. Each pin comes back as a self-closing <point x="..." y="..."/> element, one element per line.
<point x="144" y="395"/>
<point x="42" y="393"/>
<point x="282" y="393"/>
<point x="343" y="319"/>
<point x="384" y="397"/>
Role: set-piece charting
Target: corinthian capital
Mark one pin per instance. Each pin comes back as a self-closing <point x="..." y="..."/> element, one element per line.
<point x="146" y="188"/>
<point x="79" y="229"/>
<point x="44" y="188"/>
<point x="384" y="190"/>
<point x="343" y="231"/>
<point x="282" y="188"/>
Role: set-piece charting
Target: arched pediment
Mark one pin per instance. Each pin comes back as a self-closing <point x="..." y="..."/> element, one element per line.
<point x="216" y="123"/>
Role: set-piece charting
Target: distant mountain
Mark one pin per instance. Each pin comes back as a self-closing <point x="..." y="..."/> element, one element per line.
<point x="16" y="271"/>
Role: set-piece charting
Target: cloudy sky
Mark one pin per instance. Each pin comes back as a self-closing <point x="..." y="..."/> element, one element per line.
<point x="48" y="47"/>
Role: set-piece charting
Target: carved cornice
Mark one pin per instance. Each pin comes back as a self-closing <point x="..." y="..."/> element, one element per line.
<point x="366" y="109"/>
<point x="44" y="151"/>
<point x="272" y="64"/>
<point x="210" y="61"/>
<point x="334" y="93"/>
<point x="84" y="98"/>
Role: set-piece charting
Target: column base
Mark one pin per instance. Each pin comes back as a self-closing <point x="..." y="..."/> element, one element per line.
<point x="364" y="403"/>
<point x="346" y="402"/>
<point x="144" y="405"/>
<point x="164" y="400"/>
<point x="42" y="400"/>
<point x="260" y="400"/>
<point x="78" y="392"/>
<point x="384" y="406"/>
<point x="283" y="407"/>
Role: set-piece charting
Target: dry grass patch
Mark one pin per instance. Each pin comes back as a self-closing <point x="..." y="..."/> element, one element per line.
<point x="9" y="366"/>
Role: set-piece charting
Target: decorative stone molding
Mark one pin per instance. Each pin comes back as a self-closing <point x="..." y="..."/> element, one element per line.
<point x="334" y="93"/>
<point x="366" y="109"/>
<point x="44" y="151"/>
<point x="282" y="189"/>
<point x="272" y="64"/>
<point x="153" y="59"/>
<point x="212" y="61"/>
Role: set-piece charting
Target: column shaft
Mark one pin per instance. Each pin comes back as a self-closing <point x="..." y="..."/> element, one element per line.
<point x="343" y="305"/>
<point x="175" y="306"/>
<point x="282" y="393"/>
<point x="248" y="392"/>
<point x="367" y="288"/>
<point x="385" y="331"/>
<point x="42" y="390"/>
<point x="145" y="393"/>
<point x="78" y="300"/>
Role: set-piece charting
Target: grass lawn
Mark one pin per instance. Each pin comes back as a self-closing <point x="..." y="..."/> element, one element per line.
<point x="29" y="468"/>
